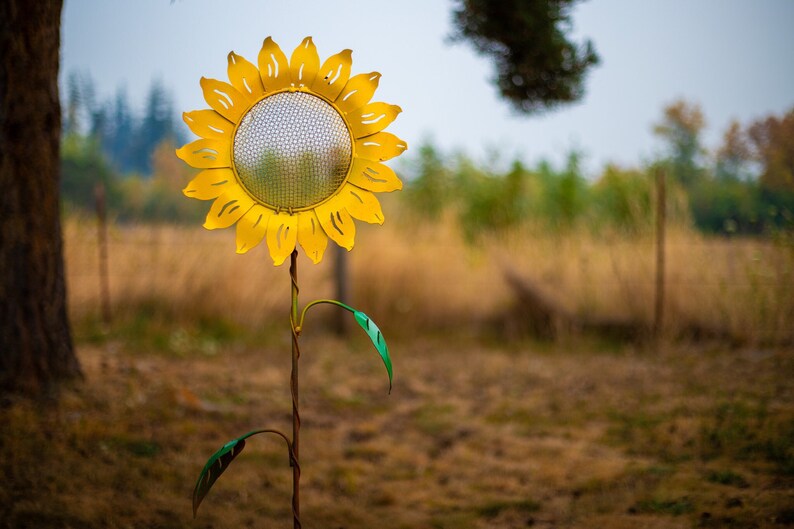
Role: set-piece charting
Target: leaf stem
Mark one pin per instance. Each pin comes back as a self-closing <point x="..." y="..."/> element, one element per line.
<point x="317" y="302"/>
<point x="276" y="432"/>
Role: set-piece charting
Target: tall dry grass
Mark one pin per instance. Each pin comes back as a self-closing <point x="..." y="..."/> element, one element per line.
<point x="413" y="275"/>
<point x="736" y="288"/>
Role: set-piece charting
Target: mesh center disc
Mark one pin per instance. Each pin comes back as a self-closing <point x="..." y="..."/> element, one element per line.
<point x="292" y="150"/>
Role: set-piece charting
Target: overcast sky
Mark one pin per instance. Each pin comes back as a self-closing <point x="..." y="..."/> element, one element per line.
<point x="733" y="57"/>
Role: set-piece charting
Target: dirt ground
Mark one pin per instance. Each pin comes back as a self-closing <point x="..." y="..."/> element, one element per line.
<point x="475" y="434"/>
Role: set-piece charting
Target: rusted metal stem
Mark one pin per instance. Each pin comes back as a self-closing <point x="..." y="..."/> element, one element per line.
<point x="296" y="419"/>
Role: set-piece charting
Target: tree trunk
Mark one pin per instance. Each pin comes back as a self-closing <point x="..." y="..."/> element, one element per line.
<point x="35" y="341"/>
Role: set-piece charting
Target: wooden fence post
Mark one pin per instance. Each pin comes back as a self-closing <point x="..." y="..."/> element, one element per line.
<point x="102" y="242"/>
<point x="342" y="282"/>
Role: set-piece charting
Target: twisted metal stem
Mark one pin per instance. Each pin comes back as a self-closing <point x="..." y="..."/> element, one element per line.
<point x="296" y="419"/>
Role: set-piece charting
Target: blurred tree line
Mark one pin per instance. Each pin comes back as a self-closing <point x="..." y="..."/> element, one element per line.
<point x="131" y="153"/>
<point x="746" y="186"/>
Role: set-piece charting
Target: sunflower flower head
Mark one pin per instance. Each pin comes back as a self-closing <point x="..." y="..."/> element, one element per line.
<point x="291" y="150"/>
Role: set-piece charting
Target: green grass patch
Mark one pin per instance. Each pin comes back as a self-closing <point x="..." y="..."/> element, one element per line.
<point x="748" y="432"/>
<point x="732" y="429"/>
<point x="434" y="419"/>
<point x="153" y="326"/>
<point x="631" y="428"/>
<point x="727" y="477"/>
<point x="675" y="507"/>
<point x="649" y="434"/>
<point x="137" y="447"/>
<point x="495" y="508"/>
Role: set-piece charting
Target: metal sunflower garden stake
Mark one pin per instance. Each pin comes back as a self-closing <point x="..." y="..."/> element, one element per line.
<point x="291" y="152"/>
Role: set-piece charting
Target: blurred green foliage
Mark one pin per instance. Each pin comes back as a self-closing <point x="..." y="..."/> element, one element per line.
<point x="487" y="199"/>
<point x="132" y="197"/>
<point x="83" y="166"/>
<point x="745" y="187"/>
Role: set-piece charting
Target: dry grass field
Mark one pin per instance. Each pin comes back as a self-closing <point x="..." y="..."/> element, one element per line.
<point x="423" y="277"/>
<point x="481" y="429"/>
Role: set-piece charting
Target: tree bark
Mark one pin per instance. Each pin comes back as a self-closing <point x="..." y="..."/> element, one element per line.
<point x="35" y="340"/>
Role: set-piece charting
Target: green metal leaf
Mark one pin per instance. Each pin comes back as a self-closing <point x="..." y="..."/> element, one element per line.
<point x="221" y="459"/>
<point x="367" y="324"/>
<point x="377" y="339"/>
<point x="215" y="466"/>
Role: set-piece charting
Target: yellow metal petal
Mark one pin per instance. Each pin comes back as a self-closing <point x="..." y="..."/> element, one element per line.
<point x="208" y="124"/>
<point x="361" y="204"/>
<point x="304" y="63"/>
<point x="273" y="66"/>
<point x="333" y="74"/>
<point x="224" y="99"/>
<point x="282" y="235"/>
<point x="251" y="228"/>
<point x="209" y="184"/>
<point x="358" y="91"/>
<point x="245" y="77"/>
<point x="206" y="154"/>
<point x="337" y="223"/>
<point x="228" y="208"/>
<point x="373" y="176"/>
<point x="381" y="146"/>
<point x="311" y="236"/>
<point x="372" y="118"/>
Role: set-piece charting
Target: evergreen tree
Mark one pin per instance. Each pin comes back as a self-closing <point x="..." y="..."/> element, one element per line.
<point x="122" y="136"/>
<point x="538" y="68"/>
<point x="157" y="125"/>
<point x="71" y="124"/>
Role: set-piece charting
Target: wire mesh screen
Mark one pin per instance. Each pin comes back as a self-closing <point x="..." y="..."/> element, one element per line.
<point x="292" y="150"/>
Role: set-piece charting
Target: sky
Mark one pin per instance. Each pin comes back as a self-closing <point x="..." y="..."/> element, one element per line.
<point x="732" y="57"/>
